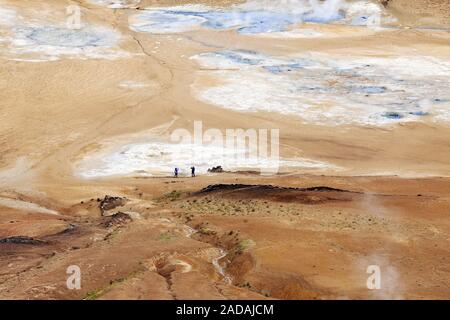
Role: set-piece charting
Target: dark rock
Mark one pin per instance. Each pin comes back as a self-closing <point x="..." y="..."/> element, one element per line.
<point x="393" y="115"/>
<point x="109" y="203"/>
<point x="116" y="219"/>
<point x="385" y="3"/>
<point x="22" y="240"/>
<point x="262" y="187"/>
<point x="217" y="169"/>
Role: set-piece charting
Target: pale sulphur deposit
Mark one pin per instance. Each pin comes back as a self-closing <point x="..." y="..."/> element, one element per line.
<point x="256" y="17"/>
<point x="52" y="43"/>
<point x="160" y="158"/>
<point x="116" y="4"/>
<point x="329" y="90"/>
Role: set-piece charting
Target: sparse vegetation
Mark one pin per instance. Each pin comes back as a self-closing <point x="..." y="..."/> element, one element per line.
<point x="94" y="295"/>
<point x="245" y="245"/>
<point x="169" y="197"/>
<point x="166" y="236"/>
<point x="204" y="230"/>
<point x="173" y="196"/>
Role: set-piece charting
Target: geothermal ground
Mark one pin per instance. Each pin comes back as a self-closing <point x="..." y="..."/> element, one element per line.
<point x="358" y="90"/>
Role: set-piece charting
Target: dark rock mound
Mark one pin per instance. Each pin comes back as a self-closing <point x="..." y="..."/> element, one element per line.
<point x="116" y="219"/>
<point x="224" y="187"/>
<point x="312" y="195"/>
<point x="22" y="240"/>
<point x="109" y="203"/>
<point x="261" y="187"/>
<point x="323" y="189"/>
<point x="217" y="169"/>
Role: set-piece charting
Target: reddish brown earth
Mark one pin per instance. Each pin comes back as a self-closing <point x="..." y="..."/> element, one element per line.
<point x="292" y="242"/>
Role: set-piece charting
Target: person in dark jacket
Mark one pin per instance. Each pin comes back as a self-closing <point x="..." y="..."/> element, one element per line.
<point x="192" y="171"/>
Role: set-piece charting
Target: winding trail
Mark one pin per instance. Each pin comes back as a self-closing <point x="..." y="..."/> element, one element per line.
<point x="215" y="261"/>
<point x="221" y="270"/>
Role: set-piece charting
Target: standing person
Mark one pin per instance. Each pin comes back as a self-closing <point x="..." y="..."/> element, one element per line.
<point x="176" y="172"/>
<point x="192" y="171"/>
